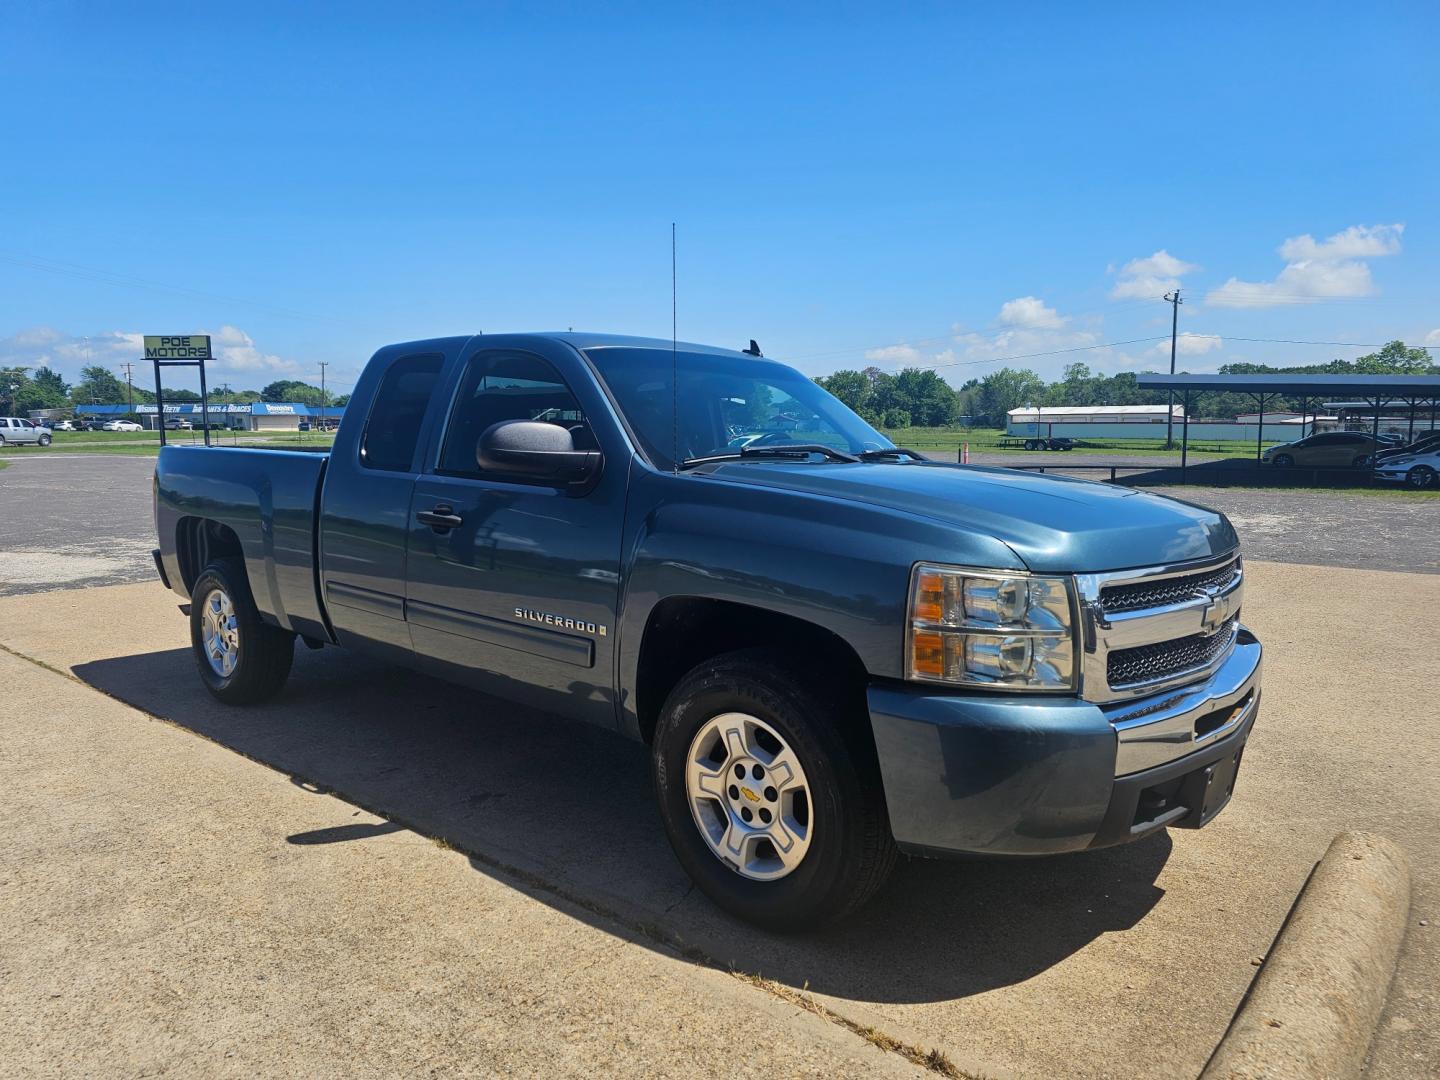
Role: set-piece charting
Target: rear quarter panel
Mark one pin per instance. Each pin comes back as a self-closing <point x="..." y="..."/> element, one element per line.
<point x="268" y="499"/>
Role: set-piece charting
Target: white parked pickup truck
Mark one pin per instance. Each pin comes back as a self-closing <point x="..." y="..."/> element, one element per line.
<point x="14" y="431"/>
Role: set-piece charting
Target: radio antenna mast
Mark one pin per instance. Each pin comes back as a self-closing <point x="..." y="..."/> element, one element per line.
<point x="674" y="361"/>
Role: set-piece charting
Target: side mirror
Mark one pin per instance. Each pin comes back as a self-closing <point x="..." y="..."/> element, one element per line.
<point x="536" y="451"/>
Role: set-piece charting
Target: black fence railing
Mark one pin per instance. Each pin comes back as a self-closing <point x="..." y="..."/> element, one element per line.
<point x="1219" y="474"/>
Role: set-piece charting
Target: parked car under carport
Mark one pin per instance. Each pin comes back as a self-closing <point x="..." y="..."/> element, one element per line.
<point x="1327" y="450"/>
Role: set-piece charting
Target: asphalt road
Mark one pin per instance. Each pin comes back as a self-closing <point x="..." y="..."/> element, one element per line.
<point x="69" y="520"/>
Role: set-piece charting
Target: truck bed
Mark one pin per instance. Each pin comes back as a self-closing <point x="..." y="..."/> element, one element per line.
<point x="268" y="501"/>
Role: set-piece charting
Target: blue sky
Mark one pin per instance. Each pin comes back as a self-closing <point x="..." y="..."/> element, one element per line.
<point x="935" y="184"/>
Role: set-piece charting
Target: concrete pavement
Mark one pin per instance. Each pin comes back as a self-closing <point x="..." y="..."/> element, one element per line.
<point x="169" y="907"/>
<point x="1109" y="963"/>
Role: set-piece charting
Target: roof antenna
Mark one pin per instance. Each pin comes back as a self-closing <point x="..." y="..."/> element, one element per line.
<point x="674" y="362"/>
<point x="753" y="350"/>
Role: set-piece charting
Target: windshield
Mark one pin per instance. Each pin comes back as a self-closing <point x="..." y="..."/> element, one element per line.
<point x="726" y="403"/>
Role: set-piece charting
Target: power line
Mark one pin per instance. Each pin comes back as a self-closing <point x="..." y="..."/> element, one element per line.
<point x="1341" y="344"/>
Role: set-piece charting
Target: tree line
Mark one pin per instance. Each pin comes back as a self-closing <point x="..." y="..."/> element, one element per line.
<point x="23" y="391"/>
<point x="919" y="397"/>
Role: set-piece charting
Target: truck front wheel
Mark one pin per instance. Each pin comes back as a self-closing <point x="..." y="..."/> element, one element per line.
<point x="241" y="658"/>
<point x="769" y="808"/>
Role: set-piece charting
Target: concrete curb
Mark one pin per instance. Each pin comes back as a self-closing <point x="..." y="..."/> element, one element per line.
<point x="1313" y="1008"/>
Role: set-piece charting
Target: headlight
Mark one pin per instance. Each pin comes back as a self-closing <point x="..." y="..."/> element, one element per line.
<point x="1008" y="631"/>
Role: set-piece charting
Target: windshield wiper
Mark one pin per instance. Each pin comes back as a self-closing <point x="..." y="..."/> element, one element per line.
<point x="892" y="451"/>
<point x="787" y="450"/>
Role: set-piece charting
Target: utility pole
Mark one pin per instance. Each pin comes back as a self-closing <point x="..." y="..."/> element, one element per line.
<point x="130" y="385"/>
<point x="1174" y="300"/>
<point x="323" y="398"/>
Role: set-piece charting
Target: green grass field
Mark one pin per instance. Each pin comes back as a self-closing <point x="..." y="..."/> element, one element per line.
<point x="147" y="443"/>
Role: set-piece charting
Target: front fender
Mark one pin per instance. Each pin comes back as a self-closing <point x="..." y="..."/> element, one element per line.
<point x="839" y="565"/>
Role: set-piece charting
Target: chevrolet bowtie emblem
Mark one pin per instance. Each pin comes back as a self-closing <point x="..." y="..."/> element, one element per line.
<point x="1215" y="614"/>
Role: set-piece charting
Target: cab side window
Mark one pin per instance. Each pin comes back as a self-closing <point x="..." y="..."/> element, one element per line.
<point x="500" y="386"/>
<point x="393" y="426"/>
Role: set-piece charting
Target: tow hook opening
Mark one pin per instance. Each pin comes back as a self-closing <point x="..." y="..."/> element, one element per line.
<point x="1215" y="720"/>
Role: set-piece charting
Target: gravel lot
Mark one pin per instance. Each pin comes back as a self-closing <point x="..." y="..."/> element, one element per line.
<point x="1329" y="528"/>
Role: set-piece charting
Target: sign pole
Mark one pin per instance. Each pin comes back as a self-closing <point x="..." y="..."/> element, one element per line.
<point x="160" y="402"/>
<point x="204" y="402"/>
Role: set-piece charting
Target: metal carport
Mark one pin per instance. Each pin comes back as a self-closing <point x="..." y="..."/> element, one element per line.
<point x="1375" y="390"/>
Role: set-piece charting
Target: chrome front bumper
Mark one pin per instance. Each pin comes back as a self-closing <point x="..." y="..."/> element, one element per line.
<point x="1169" y="726"/>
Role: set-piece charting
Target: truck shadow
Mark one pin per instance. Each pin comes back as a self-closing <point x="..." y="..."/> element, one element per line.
<point x="565" y="812"/>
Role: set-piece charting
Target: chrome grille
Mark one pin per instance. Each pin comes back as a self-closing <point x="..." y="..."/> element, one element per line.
<point x="1175" y="590"/>
<point x="1166" y="659"/>
<point x="1149" y="630"/>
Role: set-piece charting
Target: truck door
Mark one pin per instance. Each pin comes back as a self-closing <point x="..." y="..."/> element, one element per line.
<point x="518" y="597"/>
<point x="366" y="505"/>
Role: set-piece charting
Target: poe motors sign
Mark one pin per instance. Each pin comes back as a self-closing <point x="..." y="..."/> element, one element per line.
<point x="177" y="347"/>
<point x="179" y="350"/>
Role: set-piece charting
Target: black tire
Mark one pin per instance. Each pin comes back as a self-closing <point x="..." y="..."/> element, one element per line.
<point x="851" y="851"/>
<point x="264" y="653"/>
<point x="1282" y="461"/>
<point x="1421" y="476"/>
<point x="1031" y="445"/>
<point x="44" y="440"/>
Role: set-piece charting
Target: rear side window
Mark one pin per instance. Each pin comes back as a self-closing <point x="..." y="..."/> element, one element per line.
<point x="401" y="399"/>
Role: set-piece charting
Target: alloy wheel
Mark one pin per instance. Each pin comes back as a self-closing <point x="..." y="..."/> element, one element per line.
<point x="749" y="796"/>
<point x="220" y="633"/>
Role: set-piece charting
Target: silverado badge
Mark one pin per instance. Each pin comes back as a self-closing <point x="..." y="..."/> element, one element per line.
<point x="560" y="622"/>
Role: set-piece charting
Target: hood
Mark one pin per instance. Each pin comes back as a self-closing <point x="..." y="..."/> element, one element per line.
<point x="1053" y="523"/>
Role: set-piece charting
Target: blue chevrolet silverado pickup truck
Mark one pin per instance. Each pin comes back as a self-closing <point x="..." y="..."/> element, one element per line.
<point x="836" y="650"/>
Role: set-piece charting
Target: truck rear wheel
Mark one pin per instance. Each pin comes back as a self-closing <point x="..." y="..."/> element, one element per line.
<point x="768" y="807"/>
<point x="242" y="659"/>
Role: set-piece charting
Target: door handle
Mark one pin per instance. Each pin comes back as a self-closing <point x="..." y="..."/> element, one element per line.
<point x="442" y="518"/>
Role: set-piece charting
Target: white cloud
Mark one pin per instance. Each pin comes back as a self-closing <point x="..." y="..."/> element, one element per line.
<point x="894" y="354"/>
<point x="235" y="349"/>
<point x="1031" y="313"/>
<point x="43" y="346"/>
<point x="1152" y="276"/>
<point x="1162" y="263"/>
<point x="1188" y="344"/>
<point x="1356" y="242"/>
<point x="1433" y="338"/>
<point x="1316" y="270"/>
<point x="37" y="337"/>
